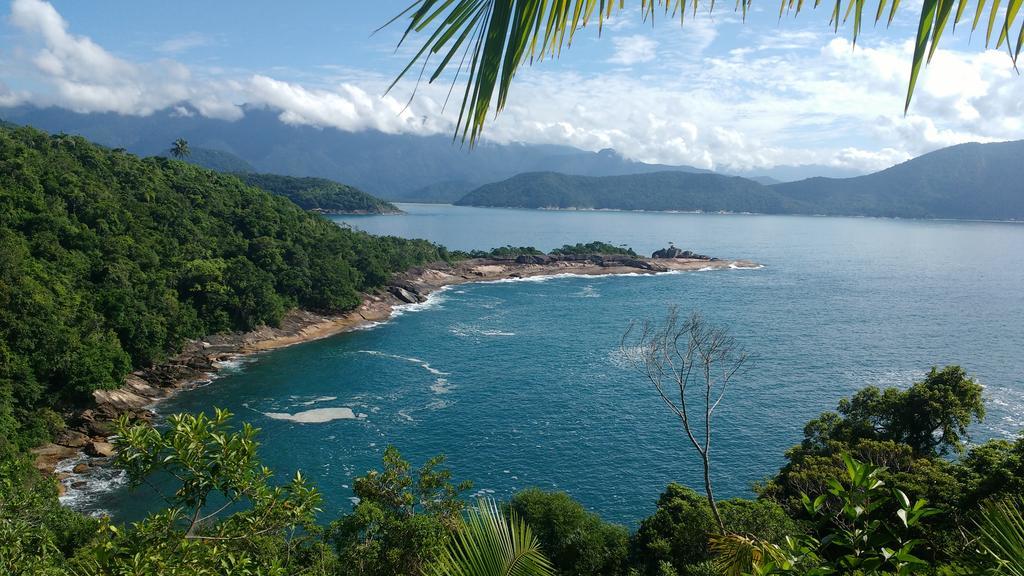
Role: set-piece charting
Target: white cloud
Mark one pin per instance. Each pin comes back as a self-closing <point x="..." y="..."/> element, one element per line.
<point x="184" y="43"/>
<point x="791" y="97"/>
<point x="87" y="78"/>
<point x="635" y="49"/>
<point x="348" y="107"/>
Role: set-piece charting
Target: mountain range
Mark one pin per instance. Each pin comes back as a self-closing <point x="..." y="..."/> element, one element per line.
<point x="967" y="181"/>
<point x="397" y="167"/>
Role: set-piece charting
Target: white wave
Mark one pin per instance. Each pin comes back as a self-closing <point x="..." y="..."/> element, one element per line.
<point x="438" y="405"/>
<point x="425" y="365"/>
<point x="368" y="326"/>
<point x="468" y="330"/>
<point x="317" y="400"/>
<point x="405" y="415"/>
<point x="434" y="300"/>
<point x="736" y="266"/>
<point x="588" y="291"/>
<point x="317" y="415"/>
<point x="83" y="490"/>
<point x="441" y="386"/>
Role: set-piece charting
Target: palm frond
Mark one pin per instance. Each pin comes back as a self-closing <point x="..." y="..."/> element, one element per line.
<point x="492" y="39"/>
<point x="489" y="544"/>
<point x="1001" y="535"/>
<point x="736" y="555"/>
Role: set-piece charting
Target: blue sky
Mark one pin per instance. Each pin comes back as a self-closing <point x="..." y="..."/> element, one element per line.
<point x="717" y="93"/>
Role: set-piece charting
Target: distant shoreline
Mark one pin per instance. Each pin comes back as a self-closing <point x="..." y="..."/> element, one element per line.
<point x="199" y="362"/>
<point x="717" y="213"/>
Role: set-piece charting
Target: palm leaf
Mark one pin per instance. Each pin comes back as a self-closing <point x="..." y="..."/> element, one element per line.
<point x="489" y="544"/>
<point x="736" y="555"/>
<point x="1001" y="535"/>
<point x="497" y="37"/>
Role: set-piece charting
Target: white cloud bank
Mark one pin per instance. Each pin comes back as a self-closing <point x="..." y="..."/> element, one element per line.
<point x="791" y="97"/>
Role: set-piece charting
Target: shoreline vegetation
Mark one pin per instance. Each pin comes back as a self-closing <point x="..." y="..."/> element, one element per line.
<point x="89" y="429"/>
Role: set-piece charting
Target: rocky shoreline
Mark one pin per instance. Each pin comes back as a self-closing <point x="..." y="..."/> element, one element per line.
<point x="86" y="441"/>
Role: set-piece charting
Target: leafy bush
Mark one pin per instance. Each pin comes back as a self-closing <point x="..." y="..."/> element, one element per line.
<point x="577" y="542"/>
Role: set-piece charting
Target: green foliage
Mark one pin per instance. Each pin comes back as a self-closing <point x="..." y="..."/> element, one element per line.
<point x="109" y="262"/>
<point x="217" y="160"/>
<point x="225" y="516"/>
<point x="488" y="544"/>
<point x="577" y="542"/>
<point x="683" y="191"/>
<point x="931" y="416"/>
<point x="36" y="532"/>
<point x="402" y="521"/>
<point x="179" y="149"/>
<point x="860" y="534"/>
<point x="319" y="194"/>
<point x="594" y="248"/>
<point x="508" y="252"/>
<point x="680" y="531"/>
<point x="1001" y="535"/>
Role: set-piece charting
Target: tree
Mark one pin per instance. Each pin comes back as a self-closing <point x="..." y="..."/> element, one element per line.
<point x="932" y="416"/>
<point x="488" y="544"/>
<point x="577" y="542"/>
<point x="680" y="532"/>
<point x="403" y="520"/>
<point x="224" y="515"/>
<point x="179" y="148"/>
<point x="868" y="530"/>
<point x="497" y="37"/>
<point x="683" y="359"/>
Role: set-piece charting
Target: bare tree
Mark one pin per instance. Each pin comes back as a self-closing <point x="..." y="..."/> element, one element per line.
<point x="694" y="360"/>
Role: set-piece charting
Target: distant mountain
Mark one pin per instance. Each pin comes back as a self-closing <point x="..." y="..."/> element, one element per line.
<point x="395" y="167"/>
<point x="969" y="181"/>
<point x="320" y="194"/>
<point x="792" y="173"/>
<point x="657" y="191"/>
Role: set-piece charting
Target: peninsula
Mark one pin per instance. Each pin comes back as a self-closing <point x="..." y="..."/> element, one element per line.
<point x="88" y="430"/>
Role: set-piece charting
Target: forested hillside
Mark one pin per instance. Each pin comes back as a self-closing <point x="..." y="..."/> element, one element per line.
<point x="218" y="160"/>
<point x="968" y="181"/>
<point x="320" y="194"/>
<point x="657" y="191"/>
<point x="109" y="261"/>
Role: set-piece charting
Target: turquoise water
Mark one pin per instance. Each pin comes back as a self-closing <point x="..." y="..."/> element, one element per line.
<point x="520" y="383"/>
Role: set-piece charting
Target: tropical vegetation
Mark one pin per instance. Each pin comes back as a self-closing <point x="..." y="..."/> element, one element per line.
<point x="871" y="490"/>
<point x="109" y="262"/>
<point x="319" y="194"/>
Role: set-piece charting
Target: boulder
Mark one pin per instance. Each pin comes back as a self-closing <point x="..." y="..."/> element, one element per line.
<point x="71" y="439"/>
<point x="80" y="468"/>
<point x="99" y="428"/>
<point x="670" y="252"/>
<point x="99" y="449"/>
<point x="403" y="294"/>
<point x="79" y="484"/>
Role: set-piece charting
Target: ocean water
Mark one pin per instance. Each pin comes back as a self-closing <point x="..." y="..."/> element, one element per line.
<point x="522" y="384"/>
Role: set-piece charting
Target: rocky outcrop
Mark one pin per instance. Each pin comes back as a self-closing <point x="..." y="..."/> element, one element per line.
<point x="673" y="252"/>
<point x="99" y="449"/>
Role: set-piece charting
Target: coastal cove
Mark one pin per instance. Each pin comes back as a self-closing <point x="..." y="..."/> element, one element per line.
<point x="526" y="372"/>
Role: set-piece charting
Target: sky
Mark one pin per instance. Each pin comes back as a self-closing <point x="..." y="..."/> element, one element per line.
<point x="716" y="93"/>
